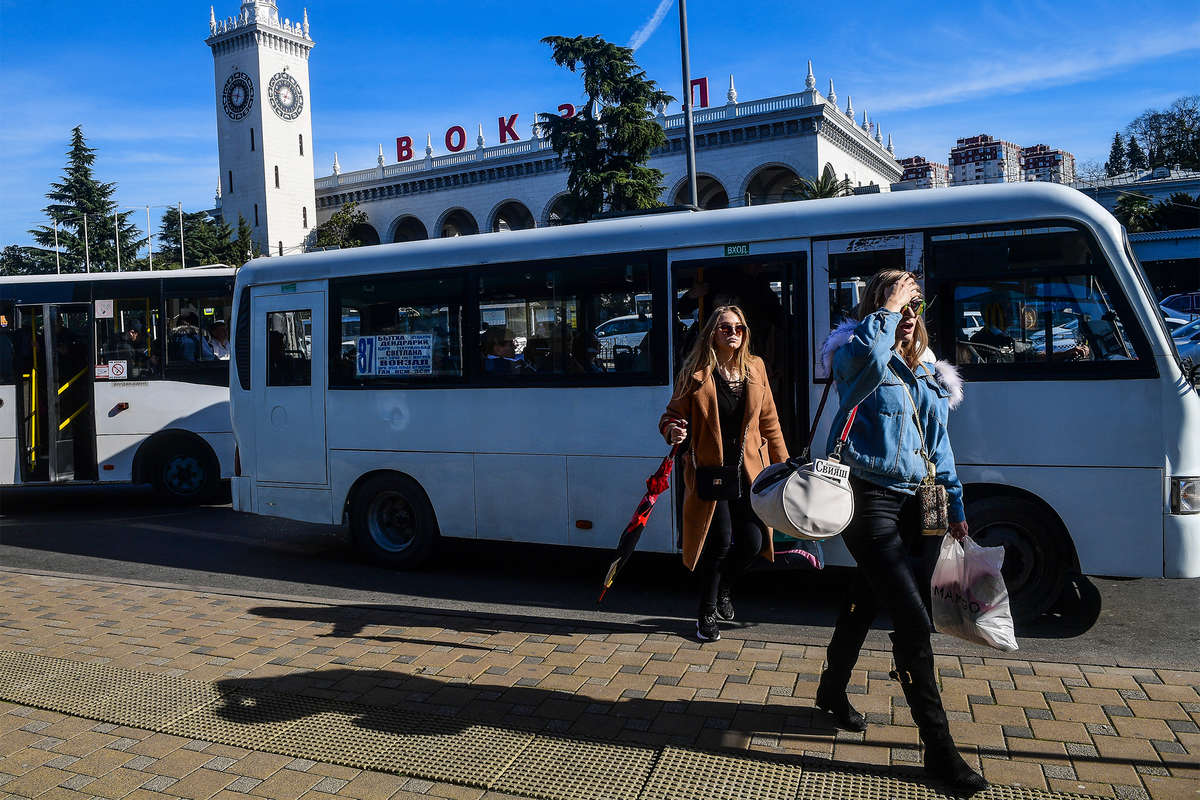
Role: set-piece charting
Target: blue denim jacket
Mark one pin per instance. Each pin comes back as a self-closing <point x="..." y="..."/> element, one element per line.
<point x="884" y="446"/>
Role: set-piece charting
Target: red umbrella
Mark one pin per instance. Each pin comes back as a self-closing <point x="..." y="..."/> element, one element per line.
<point x="656" y="484"/>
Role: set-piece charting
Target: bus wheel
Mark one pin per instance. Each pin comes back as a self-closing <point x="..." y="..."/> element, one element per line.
<point x="185" y="471"/>
<point x="1037" y="554"/>
<point x="392" y="522"/>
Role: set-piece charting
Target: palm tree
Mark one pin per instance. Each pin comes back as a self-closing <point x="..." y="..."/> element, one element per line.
<point x="828" y="185"/>
<point x="1135" y="213"/>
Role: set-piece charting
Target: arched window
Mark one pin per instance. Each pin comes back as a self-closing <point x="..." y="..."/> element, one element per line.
<point x="281" y="247"/>
<point x="304" y="215"/>
<point x="302" y="144"/>
<point x="256" y="214"/>
<point x="276" y="176"/>
<point x="231" y="181"/>
<point x="252" y="140"/>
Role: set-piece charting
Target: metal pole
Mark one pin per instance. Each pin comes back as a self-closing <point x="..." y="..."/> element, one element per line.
<point x="690" y="146"/>
<point x="182" y="262"/>
<point x="117" y="237"/>
<point x="57" y="259"/>
<point x="87" y="257"/>
<point x="149" y="239"/>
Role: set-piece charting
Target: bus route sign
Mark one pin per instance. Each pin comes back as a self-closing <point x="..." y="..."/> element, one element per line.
<point x="395" y="354"/>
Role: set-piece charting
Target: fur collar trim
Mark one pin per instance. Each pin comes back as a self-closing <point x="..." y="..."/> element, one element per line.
<point x="944" y="372"/>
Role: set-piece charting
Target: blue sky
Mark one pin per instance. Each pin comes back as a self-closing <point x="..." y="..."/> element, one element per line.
<point x="138" y="76"/>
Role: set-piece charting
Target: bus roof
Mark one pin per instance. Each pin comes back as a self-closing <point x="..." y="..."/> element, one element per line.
<point x="213" y="271"/>
<point x="899" y="211"/>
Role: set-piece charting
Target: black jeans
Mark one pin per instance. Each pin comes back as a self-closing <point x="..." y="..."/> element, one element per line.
<point x="883" y="535"/>
<point x="734" y="538"/>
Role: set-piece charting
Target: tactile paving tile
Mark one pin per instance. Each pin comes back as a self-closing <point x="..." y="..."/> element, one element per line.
<point x="19" y="672"/>
<point x="81" y="689"/>
<point x="252" y="721"/>
<point x="823" y="784"/>
<point x="571" y="769"/>
<point x="156" y="703"/>
<point x="690" y="775"/>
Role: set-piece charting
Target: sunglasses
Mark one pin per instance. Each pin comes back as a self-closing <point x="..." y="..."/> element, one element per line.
<point x="917" y="306"/>
<point x="729" y="330"/>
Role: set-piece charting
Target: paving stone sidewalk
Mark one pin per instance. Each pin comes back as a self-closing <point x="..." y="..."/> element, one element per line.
<point x="1100" y="730"/>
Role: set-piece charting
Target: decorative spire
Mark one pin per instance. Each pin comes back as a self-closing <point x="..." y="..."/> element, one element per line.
<point x="212" y="20"/>
<point x="337" y="168"/>
<point x="878" y="134"/>
<point x="890" y="148"/>
<point x="304" y="25"/>
<point x="731" y="96"/>
<point x="428" y="145"/>
<point x="832" y="96"/>
<point x="479" y="139"/>
<point x="866" y="124"/>
<point x="849" y="107"/>
<point x="810" y="82"/>
<point x="379" y="160"/>
<point x="661" y="110"/>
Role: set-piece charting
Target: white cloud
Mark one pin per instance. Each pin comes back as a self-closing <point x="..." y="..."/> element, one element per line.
<point x="651" y="25"/>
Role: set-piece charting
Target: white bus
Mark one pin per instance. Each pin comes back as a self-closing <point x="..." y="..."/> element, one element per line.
<point x="117" y="378"/>
<point x="1082" y="458"/>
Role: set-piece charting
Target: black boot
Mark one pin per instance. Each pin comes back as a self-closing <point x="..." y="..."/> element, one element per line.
<point x="914" y="670"/>
<point x="831" y="698"/>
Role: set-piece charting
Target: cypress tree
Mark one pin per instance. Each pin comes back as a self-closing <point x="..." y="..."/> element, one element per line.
<point x="1116" y="157"/>
<point x="1135" y="155"/>
<point x="244" y="247"/>
<point x="79" y="194"/>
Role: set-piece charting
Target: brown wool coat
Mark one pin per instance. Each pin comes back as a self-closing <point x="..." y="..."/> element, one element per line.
<point x="763" y="445"/>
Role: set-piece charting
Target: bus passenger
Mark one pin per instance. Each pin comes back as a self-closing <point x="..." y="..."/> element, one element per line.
<point x="722" y="395"/>
<point x="218" y="340"/>
<point x="585" y="354"/>
<point x="500" y="353"/>
<point x="882" y="365"/>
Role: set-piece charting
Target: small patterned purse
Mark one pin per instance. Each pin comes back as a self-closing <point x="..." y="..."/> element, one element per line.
<point x="931" y="495"/>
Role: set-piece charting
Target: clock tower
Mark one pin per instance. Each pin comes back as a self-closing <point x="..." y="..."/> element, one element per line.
<point x="264" y="124"/>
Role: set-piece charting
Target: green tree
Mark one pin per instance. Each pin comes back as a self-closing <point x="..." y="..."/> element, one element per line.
<point x="1116" y="157"/>
<point x="339" y="229"/>
<point x="1178" y="211"/>
<point x="77" y="195"/>
<point x="18" y="260"/>
<point x="1135" y="156"/>
<point x="244" y="247"/>
<point x="607" y="143"/>
<point x="205" y="240"/>
<point x="1135" y="213"/>
<point x="828" y="185"/>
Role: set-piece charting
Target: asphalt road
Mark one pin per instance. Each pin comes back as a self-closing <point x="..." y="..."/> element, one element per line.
<point x="125" y="534"/>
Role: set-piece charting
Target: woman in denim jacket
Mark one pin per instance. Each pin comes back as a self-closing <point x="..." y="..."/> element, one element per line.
<point x="882" y="364"/>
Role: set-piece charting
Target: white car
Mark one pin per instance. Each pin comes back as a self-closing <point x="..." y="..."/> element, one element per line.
<point x="1187" y="341"/>
<point x="621" y="332"/>
<point x="1173" y="318"/>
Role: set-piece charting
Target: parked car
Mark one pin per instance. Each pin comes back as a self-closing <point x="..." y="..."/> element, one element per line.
<point x="971" y="323"/>
<point x="1185" y="304"/>
<point x="1187" y="341"/>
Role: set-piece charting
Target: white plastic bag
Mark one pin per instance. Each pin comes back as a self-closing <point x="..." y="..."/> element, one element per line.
<point x="969" y="597"/>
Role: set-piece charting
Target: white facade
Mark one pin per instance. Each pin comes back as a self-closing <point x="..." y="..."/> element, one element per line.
<point x="264" y="124"/>
<point x="747" y="153"/>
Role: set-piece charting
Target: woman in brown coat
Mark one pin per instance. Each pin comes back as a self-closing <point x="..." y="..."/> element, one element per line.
<point x="723" y="398"/>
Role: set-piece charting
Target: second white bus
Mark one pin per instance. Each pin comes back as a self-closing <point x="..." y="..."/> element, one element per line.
<point x="1078" y="443"/>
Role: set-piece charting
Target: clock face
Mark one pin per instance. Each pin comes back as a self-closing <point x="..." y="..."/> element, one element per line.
<point x="285" y="94"/>
<point x="238" y="96"/>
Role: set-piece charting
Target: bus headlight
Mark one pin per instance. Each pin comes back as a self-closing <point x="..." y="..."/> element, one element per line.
<point x="1185" y="495"/>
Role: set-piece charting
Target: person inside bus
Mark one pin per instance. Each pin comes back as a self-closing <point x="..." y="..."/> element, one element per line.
<point x="882" y="365"/>
<point x="749" y="288"/>
<point x="186" y="342"/>
<point x="131" y="346"/>
<point x="585" y="354"/>
<point x="722" y="397"/>
<point x="500" y="353"/>
<point x="218" y="340"/>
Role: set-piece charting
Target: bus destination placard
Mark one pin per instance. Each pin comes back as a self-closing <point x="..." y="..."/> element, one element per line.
<point x="395" y="354"/>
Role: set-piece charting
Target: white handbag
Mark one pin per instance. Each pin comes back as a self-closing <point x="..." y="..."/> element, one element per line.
<point x="807" y="499"/>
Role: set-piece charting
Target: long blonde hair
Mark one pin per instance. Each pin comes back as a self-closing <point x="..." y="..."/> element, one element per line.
<point x="872" y="300"/>
<point x="703" y="356"/>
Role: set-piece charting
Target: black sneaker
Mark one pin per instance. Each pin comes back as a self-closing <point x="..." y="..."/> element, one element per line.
<point x="725" y="606"/>
<point x="706" y="628"/>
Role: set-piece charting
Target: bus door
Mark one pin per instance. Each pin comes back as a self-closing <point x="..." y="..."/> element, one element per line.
<point x="770" y="291"/>
<point x="10" y="472"/>
<point x="55" y="417"/>
<point x="289" y="387"/>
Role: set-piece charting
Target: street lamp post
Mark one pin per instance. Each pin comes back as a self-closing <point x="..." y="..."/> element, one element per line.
<point x="182" y="260"/>
<point x="149" y="240"/>
<point x="87" y="256"/>
<point x="117" y="236"/>
<point x="690" y="145"/>
<point x="57" y="260"/>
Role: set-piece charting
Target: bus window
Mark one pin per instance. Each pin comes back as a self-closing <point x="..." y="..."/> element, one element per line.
<point x="197" y="330"/>
<point x="1031" y="296"/>
<point x="289" y="353"/>
<point x="405" y="328"/>
<point x="132" y="334"/>
<point x="577" y="322"/>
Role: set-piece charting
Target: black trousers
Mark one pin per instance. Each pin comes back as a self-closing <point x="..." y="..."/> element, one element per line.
<point x="734" y="538"/>
<point x="883" y="538"/>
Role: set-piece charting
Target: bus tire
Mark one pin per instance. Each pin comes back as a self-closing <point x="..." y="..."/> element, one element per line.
<point x="1037" y="552"/>
<point x="184" y="469"/>
<point x="392" y="522"/>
